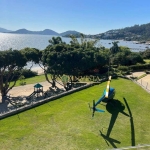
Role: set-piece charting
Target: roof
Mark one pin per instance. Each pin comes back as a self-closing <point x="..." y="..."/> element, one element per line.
<point x="38" y="85"/>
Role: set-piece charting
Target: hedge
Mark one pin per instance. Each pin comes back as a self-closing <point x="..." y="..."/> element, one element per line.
<point x="140" y="67"/>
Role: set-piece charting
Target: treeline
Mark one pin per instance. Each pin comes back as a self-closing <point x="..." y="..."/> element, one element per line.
<point x="78" y="58"/>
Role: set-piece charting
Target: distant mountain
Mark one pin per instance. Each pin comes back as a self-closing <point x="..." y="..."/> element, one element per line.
<point x="22" y="31"/>
<point x="68" y="33"/>
<point x="48" y="32"/>
<point x="4" y="30"/>
<point x="44" y="32"/>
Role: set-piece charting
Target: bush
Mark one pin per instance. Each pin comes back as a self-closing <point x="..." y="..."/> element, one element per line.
<point x="140" y="67"/>
<point x="22" y="79"/>
<point x="28" y="73"/>
<point x="14" y="76"/>
<point x="123" y="68"/>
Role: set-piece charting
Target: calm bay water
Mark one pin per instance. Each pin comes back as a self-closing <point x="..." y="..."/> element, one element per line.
<point x="20" y="41"/>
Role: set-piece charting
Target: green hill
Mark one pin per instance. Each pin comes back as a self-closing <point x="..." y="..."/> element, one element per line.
<point x="136" y="32"/>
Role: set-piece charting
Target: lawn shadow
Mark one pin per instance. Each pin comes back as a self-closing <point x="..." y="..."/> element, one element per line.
<point x="131" y="122"/>
<point x="109" y="140"/>
<point x="114" y="107"/>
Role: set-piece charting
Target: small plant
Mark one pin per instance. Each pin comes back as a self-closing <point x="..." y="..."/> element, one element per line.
<point x="141" y="76"/>
<point x="22" y="80"/>
<point x="123" y="68"/>
<point x="134" y="78"/>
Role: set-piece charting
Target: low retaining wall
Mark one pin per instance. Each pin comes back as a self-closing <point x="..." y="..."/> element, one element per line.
<point x="43" y="101"/>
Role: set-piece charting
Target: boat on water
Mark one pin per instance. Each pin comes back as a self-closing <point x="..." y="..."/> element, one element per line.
<point x="136" y="42"/>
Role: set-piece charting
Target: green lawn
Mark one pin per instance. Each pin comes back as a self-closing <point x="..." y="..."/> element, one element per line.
<point x="41" y="78"/>
<point x="66" y="123"/>
<point x="36" y="79"/>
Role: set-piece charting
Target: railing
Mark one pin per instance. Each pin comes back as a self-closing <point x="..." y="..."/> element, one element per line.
<point x="145" y="85"/>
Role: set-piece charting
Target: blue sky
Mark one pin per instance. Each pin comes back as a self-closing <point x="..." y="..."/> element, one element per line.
<point x="86" y="16"/>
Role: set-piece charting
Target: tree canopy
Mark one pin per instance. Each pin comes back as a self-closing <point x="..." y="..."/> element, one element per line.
<point x="11" y="64"/>
<point x="79" y="57"/>
<point x="11" y="61"/>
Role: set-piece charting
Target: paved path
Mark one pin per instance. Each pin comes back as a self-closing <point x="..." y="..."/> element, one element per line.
<point x="136" y="74"/>
<point x="145" y="82"/>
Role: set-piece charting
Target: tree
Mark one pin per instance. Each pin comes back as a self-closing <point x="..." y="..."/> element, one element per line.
<point x="55" y="40"/>
<point x="52" y="59"/>
<point x="84" y="42"/>
<point x="32" y="55"/>
<point x="134" y="58"/>
<point x="115" y="48"/>
<point x="71" y="59"/>
<point x="11" y="63"/>
<point x="120" y="58"/>
<point x="146" y="54"/>
<point x="126" y="58"/>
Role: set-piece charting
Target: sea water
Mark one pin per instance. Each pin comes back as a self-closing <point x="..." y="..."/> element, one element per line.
<point x="20" y="41"/>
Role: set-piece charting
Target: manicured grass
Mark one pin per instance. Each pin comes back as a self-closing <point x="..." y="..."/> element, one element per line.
<point x="41" y="78"/>
<point x="66" y="123"/>
<point x="36" y="79"/>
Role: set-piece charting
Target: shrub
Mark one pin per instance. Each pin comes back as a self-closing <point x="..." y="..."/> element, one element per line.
<point x="28" y="73"/>
<point x="141" y="76"/>
<point x="123" y="68"/>
<point x="25" y="72"/>
<point x="140" y="67"/>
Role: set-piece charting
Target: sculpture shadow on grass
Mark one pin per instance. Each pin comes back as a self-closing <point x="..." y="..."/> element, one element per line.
<point x="114" y="107"/>
<point x="109" y="140"/>
<point x="131" y="123"/>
